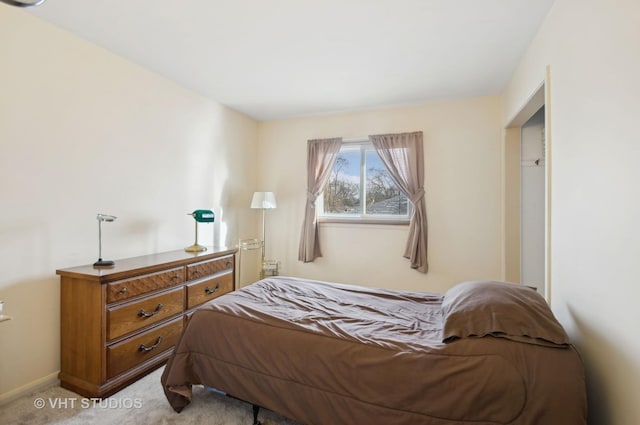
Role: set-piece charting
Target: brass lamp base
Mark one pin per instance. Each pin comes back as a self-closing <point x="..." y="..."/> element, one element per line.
<point x="195" y="248"/>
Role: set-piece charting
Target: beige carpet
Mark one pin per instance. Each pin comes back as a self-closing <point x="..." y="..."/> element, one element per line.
<point x="140" y="403"/>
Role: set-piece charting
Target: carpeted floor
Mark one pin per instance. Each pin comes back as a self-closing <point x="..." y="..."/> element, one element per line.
<point x="140" y="403"/>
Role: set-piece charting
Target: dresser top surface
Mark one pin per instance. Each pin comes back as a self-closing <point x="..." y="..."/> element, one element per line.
<point x="144" y="264"/>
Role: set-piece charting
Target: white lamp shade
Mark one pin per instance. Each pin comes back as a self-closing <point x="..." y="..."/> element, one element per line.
<point x="264" y="200"/>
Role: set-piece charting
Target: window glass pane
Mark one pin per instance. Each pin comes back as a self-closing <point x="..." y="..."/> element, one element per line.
<point x="382" y="194"/>
<point x="360" y="187"/>
<point x="342" y="192"/>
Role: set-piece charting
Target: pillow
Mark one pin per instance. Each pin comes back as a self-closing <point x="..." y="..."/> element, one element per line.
<point x="500" y="309"/>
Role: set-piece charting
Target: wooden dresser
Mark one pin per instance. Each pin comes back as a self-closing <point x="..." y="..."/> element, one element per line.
<point x="120" y="323"/>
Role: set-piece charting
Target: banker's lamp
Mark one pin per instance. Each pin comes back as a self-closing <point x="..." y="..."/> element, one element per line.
<point x="200" y="216"/>
<point x="264" y="201"/>
<point x="101" y="262"/>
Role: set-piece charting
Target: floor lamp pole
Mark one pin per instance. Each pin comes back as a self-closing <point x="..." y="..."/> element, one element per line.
<point x="263" y="238"/>
<point x="264" y="201"/>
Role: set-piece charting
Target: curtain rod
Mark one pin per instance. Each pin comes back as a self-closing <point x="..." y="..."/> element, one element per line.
<point x="361" y="139"/>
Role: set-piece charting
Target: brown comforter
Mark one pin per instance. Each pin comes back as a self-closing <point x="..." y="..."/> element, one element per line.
<point x="331" y="354"/>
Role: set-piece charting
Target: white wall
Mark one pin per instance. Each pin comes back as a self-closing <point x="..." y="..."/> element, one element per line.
<point x="591" y="47"/>
<point x="83" y="131"/>
<point x="462" y="142"/>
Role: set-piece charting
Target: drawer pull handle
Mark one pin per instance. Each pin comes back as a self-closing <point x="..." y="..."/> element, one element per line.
<point x="123" y="290"/>
<point x="210" y="291"/>
<point x="143" y="313"/>
<point x="195" y="272"/>
<point x="175" y="277"/>
<point x="145" y="348"/>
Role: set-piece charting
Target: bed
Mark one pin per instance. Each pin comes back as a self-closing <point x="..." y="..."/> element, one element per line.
<point x="329" y="354"/>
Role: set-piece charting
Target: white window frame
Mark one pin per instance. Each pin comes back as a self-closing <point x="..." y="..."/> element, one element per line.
<point x="362" y="218"/>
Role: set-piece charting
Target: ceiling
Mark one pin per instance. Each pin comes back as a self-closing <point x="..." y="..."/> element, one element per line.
<point x="273" y="59"/>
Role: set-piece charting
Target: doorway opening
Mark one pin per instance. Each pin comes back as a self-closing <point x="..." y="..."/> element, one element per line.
<point x="527" y="194"/>
<point x="532" y="204"/>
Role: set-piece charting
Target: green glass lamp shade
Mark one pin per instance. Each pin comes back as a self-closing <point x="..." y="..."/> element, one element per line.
<point x="204" y="216"/>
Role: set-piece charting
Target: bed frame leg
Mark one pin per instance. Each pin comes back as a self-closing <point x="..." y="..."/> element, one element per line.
<point x="256" y="409"/>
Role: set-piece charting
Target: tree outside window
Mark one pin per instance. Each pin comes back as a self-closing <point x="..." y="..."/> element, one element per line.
<point x="360" y="187"/>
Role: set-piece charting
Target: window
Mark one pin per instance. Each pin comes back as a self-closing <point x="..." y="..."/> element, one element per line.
<point x="360" y="188"/>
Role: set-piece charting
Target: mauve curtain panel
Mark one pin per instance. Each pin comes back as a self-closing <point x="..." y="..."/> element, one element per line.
<point x="321" y="155"/>
<point x="403" y="156"/>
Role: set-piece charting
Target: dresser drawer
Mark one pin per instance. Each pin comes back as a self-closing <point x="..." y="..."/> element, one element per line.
<point x="208" y="289"/>
<point x="207" y="268"/>
<point x="130" y="317"/>
<point x="133" y="351"/>
<point x="124" y="289"/>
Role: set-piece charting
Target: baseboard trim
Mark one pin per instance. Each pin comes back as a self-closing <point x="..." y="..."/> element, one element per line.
<point x="33" y="386"/>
